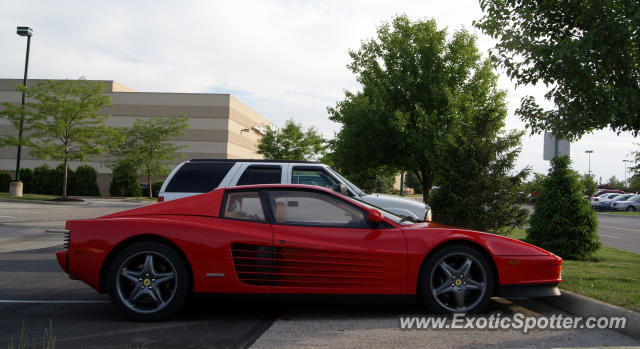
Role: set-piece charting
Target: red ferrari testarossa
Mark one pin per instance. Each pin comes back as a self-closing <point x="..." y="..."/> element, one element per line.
<point x="294" y="239"/>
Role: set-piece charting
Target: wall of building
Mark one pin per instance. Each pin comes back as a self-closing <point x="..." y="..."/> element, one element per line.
<point x="218" y="125"/>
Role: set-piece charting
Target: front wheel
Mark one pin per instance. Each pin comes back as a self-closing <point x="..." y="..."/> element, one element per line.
<point x="148" y="281"/>
<point x="457" y="279"/>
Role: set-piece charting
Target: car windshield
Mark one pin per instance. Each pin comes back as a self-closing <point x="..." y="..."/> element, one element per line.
<point x="351" y="185"/>
<point x="389" y="215"/>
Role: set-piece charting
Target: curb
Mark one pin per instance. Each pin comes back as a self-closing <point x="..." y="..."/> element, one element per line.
<point x="42" y="202"/>
<point x="586" y="307"/>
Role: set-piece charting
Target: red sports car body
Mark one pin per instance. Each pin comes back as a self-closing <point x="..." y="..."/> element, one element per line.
<point x="284" y="239"/>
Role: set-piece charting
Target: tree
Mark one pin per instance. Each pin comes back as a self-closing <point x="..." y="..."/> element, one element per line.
<point x="476" y="187"/>
<point x="292" y="142"/>
<point x="585" y="52"/>
<point x="615" y="183"/>
<point x="65" y="122"/>
<point x="535" y="184"/>
<point x="589" y="184"/>
<point x="411" y="77"/>
<point x="146" y="145"/>
<point x="563" y="221"/>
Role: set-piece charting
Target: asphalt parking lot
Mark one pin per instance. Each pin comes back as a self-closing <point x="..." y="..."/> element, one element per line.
<point x="34" y="291"/>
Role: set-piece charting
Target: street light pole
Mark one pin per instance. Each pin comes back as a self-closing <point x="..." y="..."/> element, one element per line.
<point x="589" y="152"/>
<point x="28" y="32"/>
<point x="625" y="169"/>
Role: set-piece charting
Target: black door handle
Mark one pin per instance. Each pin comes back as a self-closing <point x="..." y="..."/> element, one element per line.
<point x="281" y="242"/>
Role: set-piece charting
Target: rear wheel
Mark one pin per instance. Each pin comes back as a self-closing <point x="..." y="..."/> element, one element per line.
<point x="631" y="209"/>
<point x="457" y="279"/>
<point x="148" y="281"/>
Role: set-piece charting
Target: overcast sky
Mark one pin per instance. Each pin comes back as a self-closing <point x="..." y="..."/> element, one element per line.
<point x="284" y="59"/>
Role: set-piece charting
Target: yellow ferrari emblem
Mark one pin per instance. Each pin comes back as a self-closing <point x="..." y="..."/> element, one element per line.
<point x="458" y="282"/>
<point x="147" y="282"/>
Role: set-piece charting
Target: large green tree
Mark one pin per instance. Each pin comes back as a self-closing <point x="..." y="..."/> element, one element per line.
<point x="406" y="114"/>
<point x="292" y="142"/>
<point x="65" y="121"/>
<point x="478" y="187"/>
<point x="147" y="145"/>
<point x="586" y="52"/>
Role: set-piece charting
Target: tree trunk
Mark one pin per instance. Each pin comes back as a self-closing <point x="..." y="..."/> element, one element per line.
<point x="149" y="185"/>
<point x="64" y="177"/>
<point x="427" y="182"/>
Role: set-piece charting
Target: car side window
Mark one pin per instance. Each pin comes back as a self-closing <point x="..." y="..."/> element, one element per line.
<point x="308" y="208"/>
<point x="244" y="205"/>
<point x="261" y="175"/>
<point x="313" y="177"/>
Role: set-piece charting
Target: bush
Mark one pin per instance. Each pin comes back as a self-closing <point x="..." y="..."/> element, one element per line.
<point x="5" y="179"/>
<point x="44" y="180"/>
<point x="155" y="187"/>
<point x="563" y="221"/>
<point x="26" y="177"/>
<point x="85" y="182"/>
<point x="124" y="181"/>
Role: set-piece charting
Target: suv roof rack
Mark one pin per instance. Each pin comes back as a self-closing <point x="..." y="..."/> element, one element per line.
<point x="254" y="160"/>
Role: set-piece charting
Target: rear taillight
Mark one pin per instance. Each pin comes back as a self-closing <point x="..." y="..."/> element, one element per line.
<point x="596" y="199"/>
<point x="160" y="198"/>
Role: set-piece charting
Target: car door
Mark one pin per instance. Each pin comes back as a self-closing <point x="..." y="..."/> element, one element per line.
<point x="325" y="244"/>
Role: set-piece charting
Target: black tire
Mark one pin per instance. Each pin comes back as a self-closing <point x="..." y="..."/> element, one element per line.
<point x="631" y="209"/>
<point x="148" y="281"/>
<point x="443" y="288"/>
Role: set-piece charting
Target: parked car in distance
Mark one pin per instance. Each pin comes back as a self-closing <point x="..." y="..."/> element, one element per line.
<point x="605" y="205"/>
<point x="595" y="200"/>
<point x="631" y="204"/>
<point x="294" y="239"/>
<point x="202" y="175"/>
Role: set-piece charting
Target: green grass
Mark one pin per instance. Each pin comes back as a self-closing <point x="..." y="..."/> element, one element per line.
<point x="623" y="213"/>
<point x="27" y="197"/>
<point x="610" y="275"/>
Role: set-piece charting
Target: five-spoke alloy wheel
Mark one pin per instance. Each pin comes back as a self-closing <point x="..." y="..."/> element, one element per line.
<point x="457" y="279"/>
<point x="148" y="281"/>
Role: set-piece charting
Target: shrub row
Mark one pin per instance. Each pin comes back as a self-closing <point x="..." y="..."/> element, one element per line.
<point x="45" y="180"/>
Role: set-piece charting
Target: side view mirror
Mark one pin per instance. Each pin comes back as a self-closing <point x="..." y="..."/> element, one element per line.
<point x="375" y="217"/>
<point x="342" y="189"/>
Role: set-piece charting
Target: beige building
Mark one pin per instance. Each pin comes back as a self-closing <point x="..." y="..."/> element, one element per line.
<point x="220" y="126"/>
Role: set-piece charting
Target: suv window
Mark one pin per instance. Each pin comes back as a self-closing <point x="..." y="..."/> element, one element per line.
<point x="245" y="205"/>
<point x="296" y="207"/>
<point x="198" y="177"/>
<point x="261" y="175"/>
<point x="317" y="177"/>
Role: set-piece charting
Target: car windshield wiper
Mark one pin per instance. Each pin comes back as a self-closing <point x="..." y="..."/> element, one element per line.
<point x="409" y="218"/>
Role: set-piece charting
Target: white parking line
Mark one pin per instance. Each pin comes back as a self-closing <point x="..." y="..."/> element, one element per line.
<point x="610" y="236"/>
<point x="636" y="230"/>
<point x="20" y="301"/>
<point x="7" y="217"/>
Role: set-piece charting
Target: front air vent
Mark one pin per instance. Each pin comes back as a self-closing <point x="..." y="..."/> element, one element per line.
<point x="300" y="267"/>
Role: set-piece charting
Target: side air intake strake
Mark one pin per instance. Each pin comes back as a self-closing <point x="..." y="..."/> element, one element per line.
<point x="299" y="267"/>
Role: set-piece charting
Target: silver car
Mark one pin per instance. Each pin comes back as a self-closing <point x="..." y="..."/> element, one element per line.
<point x="631" y="204"/>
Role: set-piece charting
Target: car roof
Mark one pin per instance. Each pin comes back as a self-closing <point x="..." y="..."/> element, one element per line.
<point x="255" y="160"/>
<point x="279" y="186"/>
